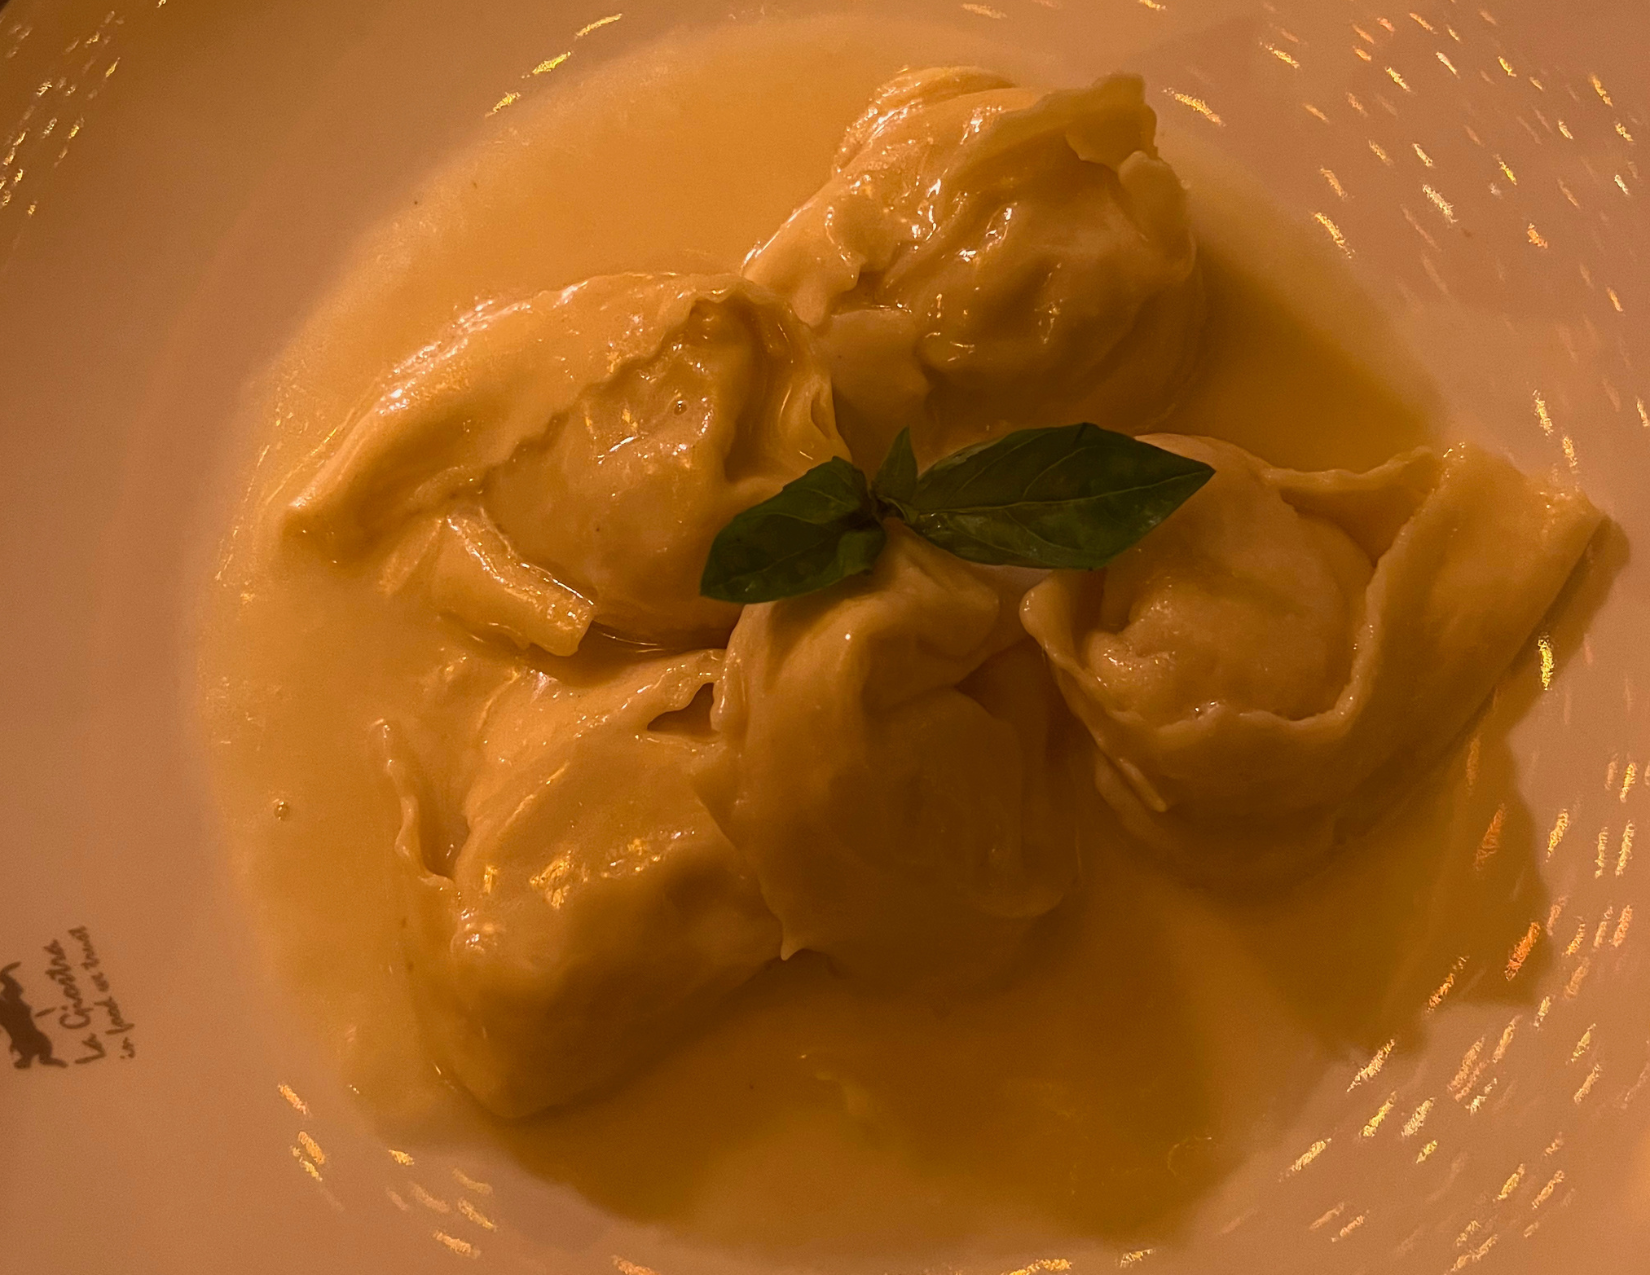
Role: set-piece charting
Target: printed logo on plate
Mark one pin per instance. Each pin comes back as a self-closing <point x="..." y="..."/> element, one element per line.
<point x="58" y="1010"/>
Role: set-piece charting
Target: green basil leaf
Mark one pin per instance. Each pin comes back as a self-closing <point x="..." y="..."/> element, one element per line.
<point x="1073" y="496"/>
<point x="896" y="481"/>
<point x="820" y="528"/>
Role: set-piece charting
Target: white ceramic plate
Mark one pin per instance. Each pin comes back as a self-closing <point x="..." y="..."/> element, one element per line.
<point x="178" y="180"/>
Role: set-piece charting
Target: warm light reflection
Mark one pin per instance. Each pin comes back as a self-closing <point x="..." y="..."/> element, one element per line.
<point x="1491" y="841"/>
<point x="1327" y="1217"/>
<point x="597" y="25"/>
<point x="1196" y="104"/>
<point x="293" y="1100"/>
<point x="1466" y="1076"/>
<point x="476" y="1215"/>
<point x="1381" y="1113"/>
<point x="1334" y="231"/>
<point x="1041" y="1264"/>
<point x="1444" y="988"/>
<point x="1561" y="825"/>
<point x="451" y="1242"/>
<point x="1306" y="1157"/>
<point x="1542" y="414"/>
<point x="1440" y="203"/>
<point x="1522" y="949"/>
<point x="471" y="1184"/>
<point x="1477" y="1254"/>
<point x="1372" y="1068"/>
<point x="1426" y="238"/>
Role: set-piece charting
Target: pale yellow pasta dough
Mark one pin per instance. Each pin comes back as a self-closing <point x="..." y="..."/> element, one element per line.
<point x="986" y="257"/>
<point x="896" y="770"/>
<point x="592" y="441"/>
<point x="594" y="910"/>
<point x="1290" y="647"/>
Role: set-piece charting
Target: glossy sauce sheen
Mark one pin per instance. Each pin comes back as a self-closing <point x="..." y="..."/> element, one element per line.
<point x="1149" y="1027"/>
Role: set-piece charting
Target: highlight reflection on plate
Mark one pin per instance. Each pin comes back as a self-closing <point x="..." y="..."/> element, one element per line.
<point x="1429" y="1057"/>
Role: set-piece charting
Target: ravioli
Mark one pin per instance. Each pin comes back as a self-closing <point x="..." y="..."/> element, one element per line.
<point x="567" y="460"/>
<point x="985" y="257"/>
<point x="594" y="911"/>
<point x="1290" y="648"/>
<point x="608" y="823"/>
<point x="897" y="770"/>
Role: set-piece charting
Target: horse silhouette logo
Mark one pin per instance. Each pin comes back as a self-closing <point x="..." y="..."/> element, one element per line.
<point x="28" y="1042"/>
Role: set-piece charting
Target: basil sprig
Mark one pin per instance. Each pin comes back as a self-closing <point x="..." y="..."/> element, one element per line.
<point x="820" y="528"/>
<point x="1074" y="496"/>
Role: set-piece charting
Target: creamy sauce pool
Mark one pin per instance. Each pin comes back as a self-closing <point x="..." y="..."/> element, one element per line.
<point x="1151" y="1029"/>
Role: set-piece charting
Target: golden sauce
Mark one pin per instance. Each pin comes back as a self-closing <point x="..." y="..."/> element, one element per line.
<point x="1152" y="1028"/>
